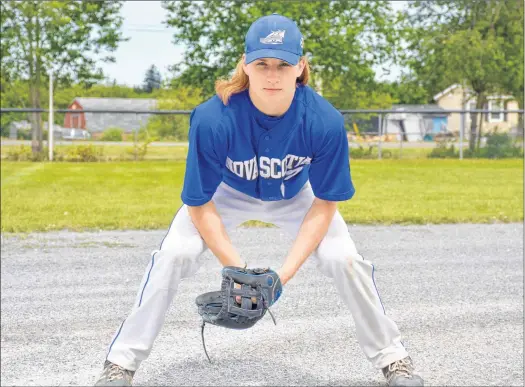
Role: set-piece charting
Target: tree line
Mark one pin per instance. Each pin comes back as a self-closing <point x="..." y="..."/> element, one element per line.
<point x="476" y="43"/>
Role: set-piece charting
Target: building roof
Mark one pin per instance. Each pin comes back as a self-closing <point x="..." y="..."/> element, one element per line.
<point x="129" y="122"/>
<point x="130" y="104"/>
<point x="469" y="91"/>
<point x="446" y="91"/>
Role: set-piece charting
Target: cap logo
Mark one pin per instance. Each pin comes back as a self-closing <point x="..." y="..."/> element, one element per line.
<point x="275" y="37"/>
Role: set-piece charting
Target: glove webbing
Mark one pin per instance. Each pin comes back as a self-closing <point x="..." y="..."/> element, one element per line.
<point x="204" y="324"/>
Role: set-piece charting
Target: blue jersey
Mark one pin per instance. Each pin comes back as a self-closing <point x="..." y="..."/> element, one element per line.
<point x="268" y="158"/>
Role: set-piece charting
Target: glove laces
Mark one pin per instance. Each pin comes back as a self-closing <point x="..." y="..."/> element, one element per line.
<point x="266" y="307"/>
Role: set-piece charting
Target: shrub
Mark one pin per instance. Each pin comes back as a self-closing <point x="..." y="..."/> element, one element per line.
<point x="20" y="153"/>
<point x="501" y="145"/>
<point x="362" y="153"/>
<point x="498" y="146"/>
<point x="443" y="151"/>
<point x="84" y="153"/>
<point x="112" y="134"/>
<point x="139" y="149"/>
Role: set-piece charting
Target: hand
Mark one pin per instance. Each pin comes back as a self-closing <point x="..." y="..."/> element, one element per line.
<point x="238" y="298"/>
<point x="284" y="276"/>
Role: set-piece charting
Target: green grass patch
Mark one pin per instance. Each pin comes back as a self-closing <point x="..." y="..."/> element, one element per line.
<point x="146" y="195"/>
<point x="117" y="152"/>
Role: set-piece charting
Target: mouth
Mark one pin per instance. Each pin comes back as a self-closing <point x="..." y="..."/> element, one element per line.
<point x="271" y="90"/>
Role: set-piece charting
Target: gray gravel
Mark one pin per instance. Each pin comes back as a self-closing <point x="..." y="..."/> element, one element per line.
<point x="456" y="292"/>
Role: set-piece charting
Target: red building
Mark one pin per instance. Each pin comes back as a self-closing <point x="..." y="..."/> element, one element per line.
<point x="75" y="120"/>
<point x="115" y="114"/>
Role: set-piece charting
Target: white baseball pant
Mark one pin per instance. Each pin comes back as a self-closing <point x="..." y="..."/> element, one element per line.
<point x="180" y="257"/>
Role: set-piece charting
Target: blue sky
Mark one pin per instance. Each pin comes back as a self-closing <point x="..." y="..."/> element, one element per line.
<point x="151" y="43"/>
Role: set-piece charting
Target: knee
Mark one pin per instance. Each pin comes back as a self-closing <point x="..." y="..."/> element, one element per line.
<point x="335" y="256"/>
<point x="184" y="256"/>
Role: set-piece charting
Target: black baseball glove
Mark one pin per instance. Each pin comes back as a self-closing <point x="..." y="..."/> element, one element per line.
<point x="258" y="290"/>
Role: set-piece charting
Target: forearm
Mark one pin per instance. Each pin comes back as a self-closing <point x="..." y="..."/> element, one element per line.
<point x="211" y="229"/>
<point x="312" y="231"/>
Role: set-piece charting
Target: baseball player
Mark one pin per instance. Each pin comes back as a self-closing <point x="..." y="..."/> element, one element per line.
<point x="265" y="147"/>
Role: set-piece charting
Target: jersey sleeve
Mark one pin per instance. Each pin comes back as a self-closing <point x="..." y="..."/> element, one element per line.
<point x="330" y="167"/>
<point x="203" y="167"/>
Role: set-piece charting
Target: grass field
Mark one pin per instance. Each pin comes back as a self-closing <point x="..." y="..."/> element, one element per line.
<point x="146" y="195"/>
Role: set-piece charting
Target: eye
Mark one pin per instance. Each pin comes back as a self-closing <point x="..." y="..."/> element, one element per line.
<point x="284" y="64"/>
<point x="261" y="64"/>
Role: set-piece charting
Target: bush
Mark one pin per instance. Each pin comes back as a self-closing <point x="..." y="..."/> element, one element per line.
<point x="25" y="153"/>
<point x="501" y="145"/>
<point x="370" y="153"/>
<point x="84" y="153"/>
<point x="20" y="153"/>
<point x="139" y="149"/>
<point x="112" y="134"/>
<point x="443" y="151"/>
<point x="498" y="146"/>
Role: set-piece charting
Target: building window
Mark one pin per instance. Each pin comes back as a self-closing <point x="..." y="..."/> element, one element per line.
<point x="495" y="105"/>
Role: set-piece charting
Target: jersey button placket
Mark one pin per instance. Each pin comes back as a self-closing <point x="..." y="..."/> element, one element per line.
<point x="267" y="149"/>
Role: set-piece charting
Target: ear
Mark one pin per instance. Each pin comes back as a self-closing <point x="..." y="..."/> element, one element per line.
<point x="300" y="66"/>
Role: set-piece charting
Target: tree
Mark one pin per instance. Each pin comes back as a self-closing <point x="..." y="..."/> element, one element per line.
<point x="406" y="90"/>
<point x="65" y="37"/>
<point x="177" y="97"/>
<point x="152" y="80"/>
<point x="342" y="39"/>
<point x="470" y="42"/>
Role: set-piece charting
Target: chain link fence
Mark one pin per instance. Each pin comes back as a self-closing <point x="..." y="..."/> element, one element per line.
<point x="399" y="133"/>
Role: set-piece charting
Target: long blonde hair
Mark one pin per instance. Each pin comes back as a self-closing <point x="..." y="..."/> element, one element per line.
<point x="239" y="81"/>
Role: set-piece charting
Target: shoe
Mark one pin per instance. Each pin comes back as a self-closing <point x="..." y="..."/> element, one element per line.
<point x="115" y="375"/>
<point x="401" y="373"/>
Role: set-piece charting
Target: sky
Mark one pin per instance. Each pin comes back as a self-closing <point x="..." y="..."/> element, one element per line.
<point x="151" y="43"/>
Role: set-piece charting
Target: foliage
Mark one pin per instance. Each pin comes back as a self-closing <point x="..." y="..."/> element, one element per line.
<point x="112" y="134"/>
<point x="84" y="153"/>
<point x="478" y="44"/>
<point x="66" y="38"/>
<point x="12" y="93"/>
<point x="140" y="147"/>
<point x="498" y="146"/>
<point x="342" y="39"/>
<point x="77" y="153"/>
<point x="407" y="91"/>
<point x="20" y="153"/>
<point x="169" y="127"/>
<point x="173" y="126"/>
<point x="443" y="151"/>
<point x="152" y="79"/>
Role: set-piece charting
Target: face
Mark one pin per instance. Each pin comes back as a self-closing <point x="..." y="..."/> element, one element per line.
<point x="272" y="82"/>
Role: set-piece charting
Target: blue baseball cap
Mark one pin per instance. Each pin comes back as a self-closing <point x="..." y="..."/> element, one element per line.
<point x="274" y="36"/>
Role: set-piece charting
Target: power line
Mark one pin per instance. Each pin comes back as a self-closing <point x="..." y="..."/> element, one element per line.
<point x="149" y="30"/>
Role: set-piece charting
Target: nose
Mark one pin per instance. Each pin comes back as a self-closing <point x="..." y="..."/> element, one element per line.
<point x="273" y="77"/>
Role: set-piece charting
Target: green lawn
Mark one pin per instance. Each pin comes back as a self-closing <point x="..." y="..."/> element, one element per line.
<point x="118" y="152"/>
<point x="146" y="195"/>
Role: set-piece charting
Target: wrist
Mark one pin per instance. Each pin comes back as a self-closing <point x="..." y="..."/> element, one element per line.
<point x="285" y="275"/>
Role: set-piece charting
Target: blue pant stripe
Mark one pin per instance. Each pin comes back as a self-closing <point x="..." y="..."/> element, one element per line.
<point x="377" y="291"/>
<point x="147" y="279"/>
<point x="115" y="339"/>
<point x="169" y="228"/>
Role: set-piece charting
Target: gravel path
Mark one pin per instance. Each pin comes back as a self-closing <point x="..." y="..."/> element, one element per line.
<point x="456" y="292"/>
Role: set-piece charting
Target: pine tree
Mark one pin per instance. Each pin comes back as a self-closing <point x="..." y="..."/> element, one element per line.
<point x="152" y="80"/>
